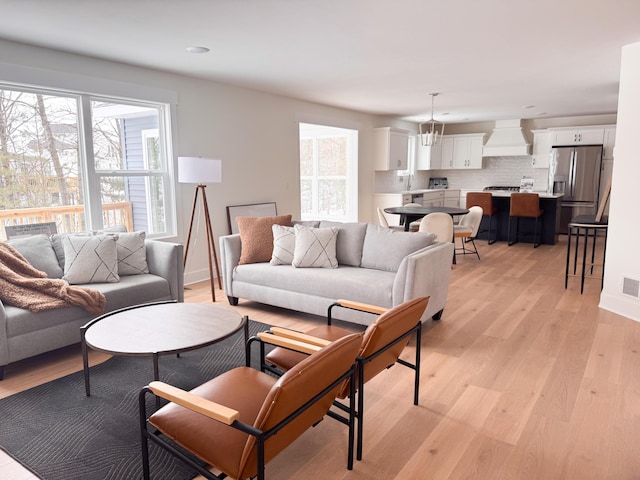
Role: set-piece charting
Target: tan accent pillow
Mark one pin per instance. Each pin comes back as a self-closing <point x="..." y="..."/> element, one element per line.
<point x="257" y="238"/>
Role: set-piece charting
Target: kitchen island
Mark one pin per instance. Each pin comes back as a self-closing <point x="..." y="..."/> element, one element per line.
<point x="549" y="202"/>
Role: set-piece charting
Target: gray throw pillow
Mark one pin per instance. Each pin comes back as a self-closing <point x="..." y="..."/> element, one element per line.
<point x="315" y="247"/>
<point x="39" y="252"/>
<point x="90" y="259"/>
<point x="132" y="253"/>
<point x="384" y="248"/>
<point x="350" y="241"/>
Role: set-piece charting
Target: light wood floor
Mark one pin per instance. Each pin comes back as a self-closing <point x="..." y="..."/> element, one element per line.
<point x="521" y="379"/>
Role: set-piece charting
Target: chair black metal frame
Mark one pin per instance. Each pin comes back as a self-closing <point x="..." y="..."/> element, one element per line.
<point x="261" y="436"/>
<point x="361" y="362"/>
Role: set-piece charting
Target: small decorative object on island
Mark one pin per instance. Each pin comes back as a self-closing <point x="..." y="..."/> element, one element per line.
<point x="526" y="185"/>
<point x="201" y="170"/>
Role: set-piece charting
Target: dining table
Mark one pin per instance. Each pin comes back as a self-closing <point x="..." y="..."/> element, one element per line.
<point x="413" y="213"/>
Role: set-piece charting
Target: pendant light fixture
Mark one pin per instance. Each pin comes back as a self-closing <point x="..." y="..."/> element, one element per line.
<point x="435" y="130"/>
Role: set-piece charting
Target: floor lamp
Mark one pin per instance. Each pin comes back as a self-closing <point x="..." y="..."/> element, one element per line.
<point x="199" y="171"/>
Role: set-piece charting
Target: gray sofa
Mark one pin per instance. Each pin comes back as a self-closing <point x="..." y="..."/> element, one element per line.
<point x="375" y="265"/>
<point x="24" y="334"/>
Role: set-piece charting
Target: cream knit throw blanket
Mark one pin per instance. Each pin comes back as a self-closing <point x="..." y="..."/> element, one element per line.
<point x="23" y="286"/>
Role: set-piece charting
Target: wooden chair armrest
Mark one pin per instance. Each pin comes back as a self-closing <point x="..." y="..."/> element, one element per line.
<point x="193" y="402"/>
<point x="291" y="344"/>
<point x="303" y="337"/>
<point x="365" y="307"/>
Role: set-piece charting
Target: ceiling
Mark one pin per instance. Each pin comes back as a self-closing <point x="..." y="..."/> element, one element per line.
<point x="488" y="59"/>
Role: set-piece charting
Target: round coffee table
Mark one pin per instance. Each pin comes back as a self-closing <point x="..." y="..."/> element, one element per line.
<point x="151" y="330"/>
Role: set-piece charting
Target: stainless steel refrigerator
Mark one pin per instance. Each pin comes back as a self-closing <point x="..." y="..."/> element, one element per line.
<point x="575" y="172"/>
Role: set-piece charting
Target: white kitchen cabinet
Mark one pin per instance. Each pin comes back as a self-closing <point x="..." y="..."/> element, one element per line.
<point x="428" y="158"/>
<point x="391" y="148"/>
<point x="541" y="149"/>
<point x="446" y="152"/>
<point x="433" y="199"/>
<point x="609" y="143"/>
<point x="466" y="151"/>
<point x="452" y="198"/>
<point x="577" y="136"/>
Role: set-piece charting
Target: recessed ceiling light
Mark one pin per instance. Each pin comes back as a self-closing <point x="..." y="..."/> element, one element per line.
<point x="541" y="113"/>
<point x="529" y="106"/>
<point x="197" y="49"/>
<point x="445" y="113"/>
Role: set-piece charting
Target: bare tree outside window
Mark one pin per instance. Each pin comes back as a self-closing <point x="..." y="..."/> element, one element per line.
<point x="44" y="175"/>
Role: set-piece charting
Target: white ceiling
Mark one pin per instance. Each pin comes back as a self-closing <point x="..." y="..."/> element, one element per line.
<point x="487" y="58"/>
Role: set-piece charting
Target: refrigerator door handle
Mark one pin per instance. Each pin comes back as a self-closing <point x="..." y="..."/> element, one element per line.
<point x="572" y="174"/>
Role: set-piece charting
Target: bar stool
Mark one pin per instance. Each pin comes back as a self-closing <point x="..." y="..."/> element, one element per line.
<point x="525" y="205"/>
<point x="484" y="200"/>
<point x="585" y="226"/>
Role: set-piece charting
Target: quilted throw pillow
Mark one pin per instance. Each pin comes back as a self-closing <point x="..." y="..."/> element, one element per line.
<point x="284" y="243"/>
<point x="90" y="259"/>
<point x="132" y="254"/>
<point x="315" y="247"/>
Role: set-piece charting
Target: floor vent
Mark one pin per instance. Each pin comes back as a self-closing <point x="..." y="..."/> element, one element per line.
<point x="631" y="286"/>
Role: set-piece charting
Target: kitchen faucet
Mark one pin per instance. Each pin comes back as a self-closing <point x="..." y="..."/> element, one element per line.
<point x="409" y="178"/>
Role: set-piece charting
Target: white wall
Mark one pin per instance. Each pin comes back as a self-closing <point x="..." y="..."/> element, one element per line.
<point x="623" y="254"/>
<point x="253" y="133"/>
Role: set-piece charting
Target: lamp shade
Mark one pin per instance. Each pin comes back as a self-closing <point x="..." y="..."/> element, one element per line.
<point x="199" y="170"/>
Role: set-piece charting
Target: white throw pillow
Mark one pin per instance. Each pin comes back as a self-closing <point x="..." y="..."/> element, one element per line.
<point x="315" y="247"/>
<point x="284" y="242"/>
<point x="132" y="253"/>
<point x="90" y="259"/>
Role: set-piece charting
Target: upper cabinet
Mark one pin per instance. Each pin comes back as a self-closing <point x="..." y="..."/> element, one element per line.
<point x="428" y="158"/>
<point x="391" y="148"/>
<point x="462" y="151"/>
<point x="541" y="149"/>
<point x="577" y="136"/>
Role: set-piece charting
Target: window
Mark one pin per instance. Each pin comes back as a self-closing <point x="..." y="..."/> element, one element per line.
<point x="328" y="173"/>
<point x="84" y="162"/>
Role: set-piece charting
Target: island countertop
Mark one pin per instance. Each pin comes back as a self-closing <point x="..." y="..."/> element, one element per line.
<point x="506" y="193"/>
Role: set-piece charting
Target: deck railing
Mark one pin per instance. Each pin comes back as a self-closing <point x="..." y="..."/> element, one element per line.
<point x="68" y="218"/>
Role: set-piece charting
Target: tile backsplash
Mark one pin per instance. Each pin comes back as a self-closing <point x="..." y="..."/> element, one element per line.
<point x="495" y="171"/>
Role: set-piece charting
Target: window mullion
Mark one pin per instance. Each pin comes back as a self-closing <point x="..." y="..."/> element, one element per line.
<point x="92" y="203"/>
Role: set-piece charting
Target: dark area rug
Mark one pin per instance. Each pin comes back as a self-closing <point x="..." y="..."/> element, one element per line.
<point x="60" y="434"/>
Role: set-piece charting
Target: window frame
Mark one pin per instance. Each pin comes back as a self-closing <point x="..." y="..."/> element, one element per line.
<point x="90" y="176"/>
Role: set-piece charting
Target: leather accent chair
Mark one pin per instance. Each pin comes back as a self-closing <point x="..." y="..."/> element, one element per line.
<point x="240" y="420"/>
<point x="382" y="343"/>
<point x="525" y="205"/>
<point x="484" y="200"/>
<point x="467" y="230"/>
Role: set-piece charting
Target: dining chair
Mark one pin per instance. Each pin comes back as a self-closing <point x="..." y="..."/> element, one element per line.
<point x="415" y="225"/>
<point x="467" y="229"/>
<point x="438" y="223"/>
<point x="382" y="220"/>
<point x="240" y="420"/>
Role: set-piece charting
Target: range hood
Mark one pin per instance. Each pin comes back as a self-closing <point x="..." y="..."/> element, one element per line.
<point x="507" y="140"/>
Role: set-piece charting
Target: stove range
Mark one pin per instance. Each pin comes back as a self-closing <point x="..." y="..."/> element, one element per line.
<point x="503" y="188"/>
